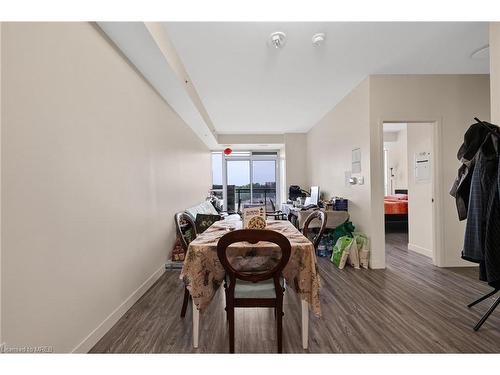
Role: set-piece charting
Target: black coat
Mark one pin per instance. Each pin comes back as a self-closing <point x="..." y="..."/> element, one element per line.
<point x="479" y="186"/>
<point x="460" y="190"/>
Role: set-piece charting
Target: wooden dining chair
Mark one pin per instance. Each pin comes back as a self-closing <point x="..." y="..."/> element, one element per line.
<point x="251" y="289"/>
<point x="183" y="222"/>
<point x="276" y="214"/>
<point x="322" y="217"/>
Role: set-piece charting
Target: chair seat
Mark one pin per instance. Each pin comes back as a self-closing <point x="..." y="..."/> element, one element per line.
<point x="262" y="289"/>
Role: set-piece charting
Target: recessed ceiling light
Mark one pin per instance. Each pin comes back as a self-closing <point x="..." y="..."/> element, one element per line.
<point x="481" y="53"/>
<point x="277" y="39"/>
<point x="318" y="39"/>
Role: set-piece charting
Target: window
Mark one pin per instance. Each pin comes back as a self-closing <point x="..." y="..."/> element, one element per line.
<point x="264" y="182"/>
<point x="246" y="177"/>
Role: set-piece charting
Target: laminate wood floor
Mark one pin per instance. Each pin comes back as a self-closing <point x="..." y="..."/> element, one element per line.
<point x="410" y="307"/>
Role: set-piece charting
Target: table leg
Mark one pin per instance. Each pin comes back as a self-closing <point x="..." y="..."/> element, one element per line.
<point x="305" y="324"/>
<point x="196" y="325"/>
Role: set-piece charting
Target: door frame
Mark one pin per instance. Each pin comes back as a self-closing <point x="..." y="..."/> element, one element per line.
<point x="437" y="207"/>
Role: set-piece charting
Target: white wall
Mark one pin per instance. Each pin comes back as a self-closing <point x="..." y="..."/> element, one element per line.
<point x="452" y="101"/>
<point x="296" y="163"/>
<point x="94" y="166"/>
<point x="420" y="225"/>
<point x="329" y="154"/>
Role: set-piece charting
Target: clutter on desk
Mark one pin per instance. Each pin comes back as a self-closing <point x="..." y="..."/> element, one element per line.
<point x="295" y="191"/>
<point x="339" y="204"/>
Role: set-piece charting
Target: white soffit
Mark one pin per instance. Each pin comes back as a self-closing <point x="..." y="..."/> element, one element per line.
<point x="142" y="45"/>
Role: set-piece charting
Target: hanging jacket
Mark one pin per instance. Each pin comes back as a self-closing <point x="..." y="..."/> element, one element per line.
<point x="460" y="190"/>
<point x="482" y="232"/>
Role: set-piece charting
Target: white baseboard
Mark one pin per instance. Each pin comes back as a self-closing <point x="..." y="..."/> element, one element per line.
<point x="94" y="336"/>
<point x="420" y="250"/>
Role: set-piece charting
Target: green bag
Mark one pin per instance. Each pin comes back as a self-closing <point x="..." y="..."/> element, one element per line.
<point x="345" y="229"/>
<point x="341" y="251"/>
<point x="363" y="249"/>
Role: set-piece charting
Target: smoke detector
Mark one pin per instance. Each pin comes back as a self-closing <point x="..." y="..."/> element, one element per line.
<point x="277" y="39"/>
<point x="318" y="39"/>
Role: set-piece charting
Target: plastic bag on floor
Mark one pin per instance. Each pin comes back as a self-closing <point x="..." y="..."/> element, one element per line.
<point x="353" y="258"/>
<point x="345" y="229"/>
<point x="341" y="251"/>
<point x="361" y="240"/>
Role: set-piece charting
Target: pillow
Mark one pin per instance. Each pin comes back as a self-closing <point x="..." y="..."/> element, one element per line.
<point x="202" y="208"/>
<point x="208" y="208"/>
<point x="203" y="221"/>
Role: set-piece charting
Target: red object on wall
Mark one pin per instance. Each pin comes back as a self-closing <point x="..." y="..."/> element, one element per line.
<point x="227" y="151"/>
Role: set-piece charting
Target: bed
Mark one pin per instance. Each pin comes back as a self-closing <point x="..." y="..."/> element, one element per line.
<point x="396" y="209"/>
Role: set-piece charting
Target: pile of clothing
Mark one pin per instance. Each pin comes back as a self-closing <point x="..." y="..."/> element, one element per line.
<point x="477" y="193"/>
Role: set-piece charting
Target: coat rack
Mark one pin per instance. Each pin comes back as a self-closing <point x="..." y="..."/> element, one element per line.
<point x="496" y="290"/>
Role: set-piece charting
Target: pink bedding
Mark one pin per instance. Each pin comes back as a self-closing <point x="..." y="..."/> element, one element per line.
<point x="396" y="204"/>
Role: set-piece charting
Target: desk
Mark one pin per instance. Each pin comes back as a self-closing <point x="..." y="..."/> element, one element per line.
<point x="203" y="273"/>
<point x="297" y="216"/>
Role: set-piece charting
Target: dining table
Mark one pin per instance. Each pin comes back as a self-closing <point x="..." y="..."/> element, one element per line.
<point x="203" y="273"/>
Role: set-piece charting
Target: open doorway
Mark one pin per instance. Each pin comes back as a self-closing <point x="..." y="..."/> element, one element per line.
<point x="409" y="187"/>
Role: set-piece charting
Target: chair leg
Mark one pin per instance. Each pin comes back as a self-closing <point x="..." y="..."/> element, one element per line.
<point x="279" y="325"/>
<point x="230" y="313"/>
<point x="226" y="298"/>
<point x="185" y="302"/>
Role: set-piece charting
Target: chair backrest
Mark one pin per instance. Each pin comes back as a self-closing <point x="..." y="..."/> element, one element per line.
<point x="182" y="216"/>
<point x="320" y="215"/>
<point x="253" y="236"/>
<point x="272" y="205"/>
<point x="252" y="205"/>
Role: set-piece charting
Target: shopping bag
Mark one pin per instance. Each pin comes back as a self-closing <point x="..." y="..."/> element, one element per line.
<point x="363" y="249"/>
<point x="341" y="251"/>
<point x="345" y="229"/>
<point x="353" y="258"/>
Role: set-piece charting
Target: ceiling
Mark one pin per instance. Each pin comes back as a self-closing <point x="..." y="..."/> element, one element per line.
<point x="248" y="87"/>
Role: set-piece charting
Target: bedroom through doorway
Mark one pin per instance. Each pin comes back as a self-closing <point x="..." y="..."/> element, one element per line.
<point x="408" y="188"/>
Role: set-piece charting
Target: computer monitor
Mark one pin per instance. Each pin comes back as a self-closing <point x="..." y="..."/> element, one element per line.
<point x="314" y="195"/>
